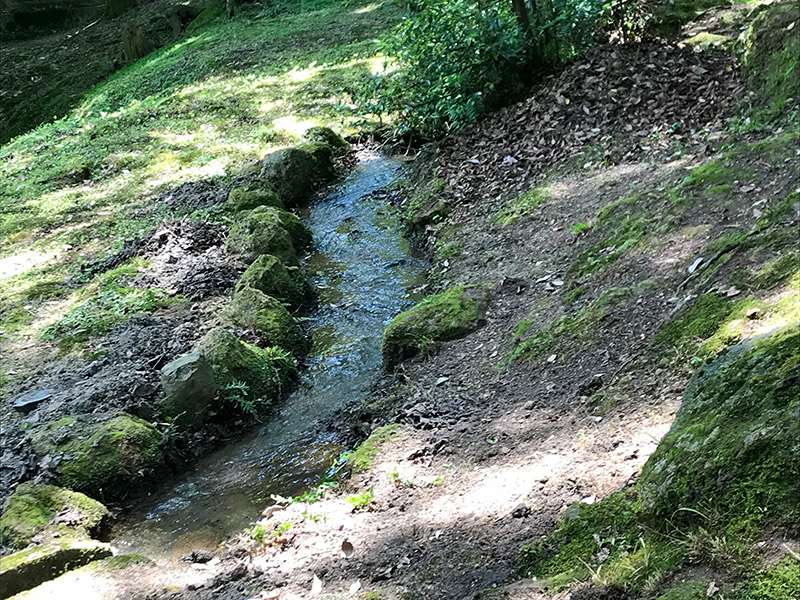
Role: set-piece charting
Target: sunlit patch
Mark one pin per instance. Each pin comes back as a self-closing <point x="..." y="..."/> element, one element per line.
<point x="292" y="124"/>
<point x="23" y="261"/>
<point x="367" y="9"/>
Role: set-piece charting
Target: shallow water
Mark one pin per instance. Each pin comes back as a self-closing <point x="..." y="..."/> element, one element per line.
<point x="365" y="273"/>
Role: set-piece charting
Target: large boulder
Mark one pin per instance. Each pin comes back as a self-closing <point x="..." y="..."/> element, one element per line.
<point x="253" y="309"/>
<point x="328" y="137"/>
<point x="252" y="195"/>
<point x="251" y="237"/>
<point x="733" y="447"/>
<point x="293" y="172"/>
<point x="269" y="275"/>
<point x="189" y="389"/>
<point x="100" y="458"/>
<point x="324" y="166"/>
<point x="299" y="233"/>
<point x="444" y="316"/>
<point x="265" y="372"/>
<point x="26" y="569"/>
<point x="46" y="512"/>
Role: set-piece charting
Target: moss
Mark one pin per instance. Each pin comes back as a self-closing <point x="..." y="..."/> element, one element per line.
<point x="772" y="51"/>
<point x="294" y="172"/>
<point x="704" y="39"/>
<point x="269" y="275"/>
<point x="574" y="294"/>
<point x="780" y="582"/>
<point x="701" y="321"/>
<point x="715" y="322"/>
<point x="28" y="568"/>
<point x="266" y="316"/>
<point x="522" y="206"/>
<point x="694" y="589"/>
<point x="250" y="237"/>
<point x="29" y="510"/>
<point x="120" y="562"/>
<point x="208" y="15"/>
<point x="575" y="328"/>
<point x="424" y="205"/>
<point x="290" y="222"/>
<point x="732" y="449"/>
<point x="579" y="536"/>
<point x="599" y="256"/>
<point x="322" y="155"/>
<point x="266" y="373"/>
<point x="360" y="460"/>
<point x="777" y="271"/>
<point x="328" y="137"/>
<point x="444" y="316"/>
<point x="100" y="458"/>
<point x="252" y="195"/>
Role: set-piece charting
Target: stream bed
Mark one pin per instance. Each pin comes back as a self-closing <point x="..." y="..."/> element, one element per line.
<point x="365" y="273"/>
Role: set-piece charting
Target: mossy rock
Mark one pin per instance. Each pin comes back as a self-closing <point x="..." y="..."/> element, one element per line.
<point x="269" y="275"/>
<point x="26" y="569"/>
<point x="255" y="194"/>
<point x="293" y="172"/>
<point x="266" y="316"/>
<point x="444" y="316"/>
<point x="772" y="56"/>
<point x="36" y="508"/>
<point x="733" y="447"/>
<point x="299" y="233"/>
<point x="265" y="372"/>
<point x="324" y="167"/>
<point x="328" y="137"/>
<point x="100" y="458"/>
<point x="189" y="390"/>
<point x="250" y="237"/>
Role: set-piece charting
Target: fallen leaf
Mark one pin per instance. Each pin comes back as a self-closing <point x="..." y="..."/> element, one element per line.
<point x="354" y="587"/>
<point x="347" y="549"/>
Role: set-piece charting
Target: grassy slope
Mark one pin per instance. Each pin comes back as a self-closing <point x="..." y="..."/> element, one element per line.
<point x="203" y="108"/>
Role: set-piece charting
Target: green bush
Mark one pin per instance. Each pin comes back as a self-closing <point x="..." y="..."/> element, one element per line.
<point x="452" y="60"/>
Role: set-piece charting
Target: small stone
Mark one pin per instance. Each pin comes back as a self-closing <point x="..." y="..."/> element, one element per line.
<point x="752" y="313"/>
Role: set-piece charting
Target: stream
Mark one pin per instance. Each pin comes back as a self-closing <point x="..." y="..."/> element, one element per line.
<point x="365" y="273"/>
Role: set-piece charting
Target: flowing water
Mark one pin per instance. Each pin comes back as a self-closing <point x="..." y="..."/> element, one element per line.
<point x="365" y="273"/>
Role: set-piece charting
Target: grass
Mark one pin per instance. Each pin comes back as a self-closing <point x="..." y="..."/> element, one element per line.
<point x="204" y="108"/>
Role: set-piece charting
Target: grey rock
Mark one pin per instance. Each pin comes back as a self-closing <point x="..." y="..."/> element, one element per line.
<point x="189" y="388"/>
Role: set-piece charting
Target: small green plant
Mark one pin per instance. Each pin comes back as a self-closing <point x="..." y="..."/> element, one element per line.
<point x="237" y="393"/>
<point x="359" y="501"/>
<point x="281" y="529"/>
<point x="257" y="534"/>
<point x="581" y="227"/>
<point x="316" y="493"/>
<point x="398" y="480"/>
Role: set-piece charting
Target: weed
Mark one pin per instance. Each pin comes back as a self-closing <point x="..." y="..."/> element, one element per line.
<point x="359" y="501"/>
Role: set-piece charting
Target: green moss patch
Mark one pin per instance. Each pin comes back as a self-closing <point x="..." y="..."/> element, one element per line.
<point x="780" y="582"/>
<point x="266" y="316"/>
<point x="100" y="459"/>
<point x="268" y="274"/>
<point x="299" y="233"/>
<point x="251" y="236"/>
<point x="361" y="458"/>
<point x="733" y="445"/>
<point x="771" y="58"/>
<point x="31" y="508"/>
<point x="252" y="195"/>
<point x="444" y="316"/>
<point x="522" y="206"/>
<point x="578" y="329"/>
<point x="249" y="377"/>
